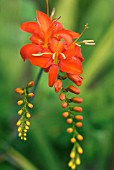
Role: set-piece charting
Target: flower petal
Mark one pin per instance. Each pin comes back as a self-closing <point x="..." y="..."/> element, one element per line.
<point x="52" y="76"/>
<point x="43" y="20"/>
<point x="78" y="53"/>
<point x="29" y="49"/>
<point x="65" y="35"/>
<point x="31" y="27"/>
<point x="70" y="52"/>
<point x="71" y="66"/>
<point x="36" y="39"/>
<point x="73" y="34"/>
<point x="56" y="46"/>
<point x="42" y="62"/>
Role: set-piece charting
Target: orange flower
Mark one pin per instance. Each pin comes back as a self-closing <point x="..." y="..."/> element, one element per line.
<point x="52" y="47"/>
<point x="42" y="31"/>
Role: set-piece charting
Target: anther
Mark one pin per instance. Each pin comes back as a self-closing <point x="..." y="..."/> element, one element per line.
<point x="53" y="56"/>
<point x="63" y="55"/>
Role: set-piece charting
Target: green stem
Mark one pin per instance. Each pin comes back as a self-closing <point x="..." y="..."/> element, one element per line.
<point x="37" y="82"/>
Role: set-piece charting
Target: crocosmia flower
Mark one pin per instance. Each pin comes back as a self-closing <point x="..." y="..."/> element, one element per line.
<point x="57" y="51"/>
<point x="52" y="47"/>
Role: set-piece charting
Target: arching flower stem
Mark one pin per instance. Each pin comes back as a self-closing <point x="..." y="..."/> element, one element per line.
<point x="37" y="82"/>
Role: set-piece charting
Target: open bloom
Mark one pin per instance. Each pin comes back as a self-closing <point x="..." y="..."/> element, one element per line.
<point x="52" y="47"/>
<point x="42" y="31"/>
<point x="54" y="58"/>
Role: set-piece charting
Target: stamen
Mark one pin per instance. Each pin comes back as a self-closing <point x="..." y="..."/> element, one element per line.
<point x="56" y="19"/>
<point x="52" y="13"/>
<point x="40" y="54"/>
<point x="86" y="26"/>
<point x="63" y="55"/>
<point x="53" y="56"/>
<point x="86" y="42"/>
<point x="78" y="44"/>
<point x="89" y="43"/>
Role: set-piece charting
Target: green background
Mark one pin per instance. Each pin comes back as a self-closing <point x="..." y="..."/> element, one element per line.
<point x="48" y="146"/>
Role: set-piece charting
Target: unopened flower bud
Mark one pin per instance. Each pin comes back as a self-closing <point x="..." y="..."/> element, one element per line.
<point x="69" y="121"/>
<point x="80" y="150"/>
<point x="18" y="123"/>
<point x="73" y="90"/>
<point x="65" y="114"/>
<point x="79" y="124"/>
<point x="73" y="140"/>
<point x="75" y="78"/>
<point x="21" y="137"/>
<point x="20" y="102"/>
<point x="72" y="154"/>
<point x="62" y="96"/>
<point x="77" y="109"/>
<point x="30" y="95"/>
<point x="27" y="123"/>
<point x="24" y="134"/>
<point x="19" y="129"/>
<point x="58" y="85"/>
<point x="64" y="104"/>
<point x="20" y="134"/>
<point x="26" y="127"/>
<point x="20" y="112"/>
<point x="30" y="105"/>
<point x="79" y="117"/>
<point x="76" y="100"/>
<point x="78" y="161"/>
<point x="73" y="167"/>
<point x="79" y="137"/>
<point x="28" y="115"/>
<point x="70" y="163"/>
<point x="30" y="84"/>
<point x="25" y="130"/>
<point x="70" y="130"/>
<point x="19" y="91"/>
<point x="25" y="138"/>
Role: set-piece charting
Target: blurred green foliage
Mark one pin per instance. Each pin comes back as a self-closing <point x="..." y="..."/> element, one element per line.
<point x="48" y="146"/>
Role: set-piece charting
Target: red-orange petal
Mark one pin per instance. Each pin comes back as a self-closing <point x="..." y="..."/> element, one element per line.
<point x="31" y="27"/>
<point x="65" y="35"/>
<point x="56" y="46"/>
<point x="43" y="20"/>
<point x="73" y="34"/>
<point x="70" y="51"/>
<point x="36" y="39"/>
<point x="43" y="62"/>
<point x="52" y="76"/>
<point x="29" y="49"/>
<point x="72" y="67"/>
<point x="78" y="53"/>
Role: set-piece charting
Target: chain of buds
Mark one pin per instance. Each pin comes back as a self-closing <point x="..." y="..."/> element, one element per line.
<point x="73" y="118"/>
<point x="23" y="123"/>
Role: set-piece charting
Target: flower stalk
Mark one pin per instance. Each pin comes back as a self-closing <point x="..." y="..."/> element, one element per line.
<point x="56" y="51"/>
<point x="23" y="123"/>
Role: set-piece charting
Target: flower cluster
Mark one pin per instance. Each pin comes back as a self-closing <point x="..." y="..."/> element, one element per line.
<point x="74" y="119"/>
<point x="53" y="48"/>
<point x="56" y="50"/>
<point x="23" y="123"/>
